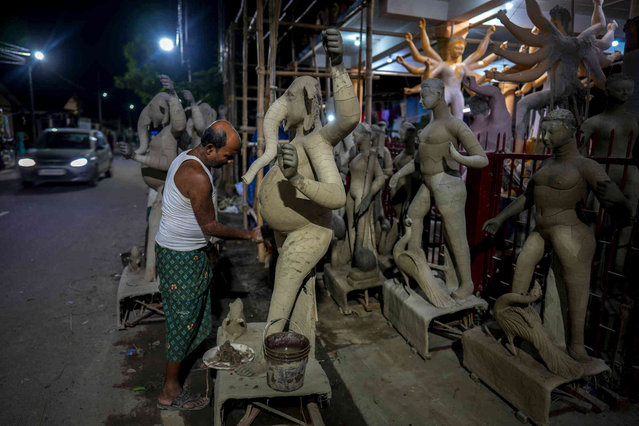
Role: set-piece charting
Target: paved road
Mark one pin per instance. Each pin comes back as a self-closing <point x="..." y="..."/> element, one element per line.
<point x="59" y="249"/>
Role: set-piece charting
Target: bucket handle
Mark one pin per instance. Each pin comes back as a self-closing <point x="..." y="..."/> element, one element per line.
<point x="270" y="323"/>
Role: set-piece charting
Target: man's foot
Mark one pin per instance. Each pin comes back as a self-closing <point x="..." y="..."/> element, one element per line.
<point x="183" y="401"/>
<point x="463" y="292"/>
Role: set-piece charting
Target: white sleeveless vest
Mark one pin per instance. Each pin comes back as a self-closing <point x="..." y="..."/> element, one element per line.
<point x="179" y="229"/>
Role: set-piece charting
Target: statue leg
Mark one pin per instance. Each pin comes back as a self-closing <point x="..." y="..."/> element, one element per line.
<point x="350" y="223"/>
<point x="575" y="247"/>
<point x="530" y="255"/>
<point x="450" y="198"/>
<point x="455" y="100"/>
<point x="299" y="254"/>
<point x="528" y="103"/>
<point x="417" y="210"/>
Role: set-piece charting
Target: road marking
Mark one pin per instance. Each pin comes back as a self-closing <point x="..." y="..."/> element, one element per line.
<point x="4" y="212"/>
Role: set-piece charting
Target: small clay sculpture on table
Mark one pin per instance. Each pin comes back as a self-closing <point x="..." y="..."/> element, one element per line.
<point x="438" y="161"/>
<point x="299" y="192"/>
<point x="559" y="190"/>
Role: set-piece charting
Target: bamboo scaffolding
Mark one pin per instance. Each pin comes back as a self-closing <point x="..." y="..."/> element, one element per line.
<point x="369" y="61"/>
<point x="245" y="111"/>
<point x="261" y="74"/>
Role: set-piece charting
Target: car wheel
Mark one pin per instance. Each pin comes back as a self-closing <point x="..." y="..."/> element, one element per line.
<point x="94" y="180"/>
<point x="109" y="172"/>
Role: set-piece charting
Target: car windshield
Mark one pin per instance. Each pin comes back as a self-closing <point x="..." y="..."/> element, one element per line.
<point x="63" y="140"/>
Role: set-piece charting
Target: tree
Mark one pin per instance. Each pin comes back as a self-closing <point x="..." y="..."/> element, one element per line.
<point x="145" y="63"/>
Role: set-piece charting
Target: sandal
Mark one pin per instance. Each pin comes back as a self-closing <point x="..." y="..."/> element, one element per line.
<point x="181" y="400"/>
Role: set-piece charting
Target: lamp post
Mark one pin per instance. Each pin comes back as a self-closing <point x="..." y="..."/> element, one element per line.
<point x="39" y="56"/>
<point x="100" y="96"/>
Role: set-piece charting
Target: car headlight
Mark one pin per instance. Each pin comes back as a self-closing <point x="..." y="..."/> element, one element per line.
<point x="80" y="162"/>
<point x="26" y="162"/>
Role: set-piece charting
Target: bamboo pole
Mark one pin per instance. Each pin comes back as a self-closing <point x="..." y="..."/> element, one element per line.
<point x="244" y="111"/>
<point x="274" y="17"/>
<point x="260" y="116"/>
<point x="369" y="61"/>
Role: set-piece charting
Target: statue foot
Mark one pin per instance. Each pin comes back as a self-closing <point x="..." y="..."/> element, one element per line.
<point x="257" y="367"/>
<point x="463" y="292"/>
<point x="578" y="353"/>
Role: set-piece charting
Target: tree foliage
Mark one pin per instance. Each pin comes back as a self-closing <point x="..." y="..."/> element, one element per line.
<point x="145" y="62"/>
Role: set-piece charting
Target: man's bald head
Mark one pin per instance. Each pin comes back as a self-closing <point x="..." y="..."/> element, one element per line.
<point x="219" y="134"/>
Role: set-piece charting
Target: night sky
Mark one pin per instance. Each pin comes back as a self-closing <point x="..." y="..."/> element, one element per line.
<point x="84" y="41"/>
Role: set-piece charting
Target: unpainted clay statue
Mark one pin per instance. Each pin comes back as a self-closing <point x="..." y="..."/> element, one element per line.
<point x="234" y="325"/>
<point x="344" y="152"/>
<point x="623" y="127"/>
<point x="453" y="69"/>
<point x="298" y="194"/>
<point x="202" y="116"/>
<point x="438" y="161"/>
<point x="523" y="321"/>
<point x="156" y="155"/>
<point x="379" y="148"/>
<point x="367" y="179"/>
<point x="135" y="261"/>
<point x="559" y="53"/>
<point x="491" y="119"/>
<point x="221" y="112"/>
<point x="559" y="190"/>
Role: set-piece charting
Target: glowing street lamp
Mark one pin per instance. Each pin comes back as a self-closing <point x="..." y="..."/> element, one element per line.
<point x="131" y="107"/>
<point x="166" y="44"/>
<point x="105" y="94"/>
<point x="38" y="55"/>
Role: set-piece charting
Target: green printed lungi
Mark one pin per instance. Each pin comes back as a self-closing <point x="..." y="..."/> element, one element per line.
<point x="185" y="286"/>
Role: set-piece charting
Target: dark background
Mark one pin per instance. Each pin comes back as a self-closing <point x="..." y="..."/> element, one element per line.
<point x="83" y="43"/>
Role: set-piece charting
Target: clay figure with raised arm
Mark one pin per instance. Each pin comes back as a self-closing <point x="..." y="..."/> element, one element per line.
<point x="367" y="180"/>
<point x="559" y="53"/>
<point x="615" y="131"/>
<point x="438" y="161"/>
<point x="491" y="119"/>
<point x="298" y="194"/>
<point x="453" y="69"/>
<point x="156" y="155"/>
<point x="559" y="190"/>
<point x="184" y="268"/>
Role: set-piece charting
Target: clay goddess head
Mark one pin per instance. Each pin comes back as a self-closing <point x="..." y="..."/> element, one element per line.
<point x="456" y="47"/>
<point x="619" y="87"/>
<point x="432" y="93"/>
<point x="558" y="128"/>
<point x="363" y="137"/>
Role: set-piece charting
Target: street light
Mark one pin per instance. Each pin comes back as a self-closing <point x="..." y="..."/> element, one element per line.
<point x="104" y="94"/>
<point x="131" y="107"/>
<point x="166" y="44"/>
<point x="39" y="56"/>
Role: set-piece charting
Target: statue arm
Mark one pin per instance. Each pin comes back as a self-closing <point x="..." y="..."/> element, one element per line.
<point x="379" y="178"/>
<point x="524" y="76"/>
<point x="476" y="157"/>
<point x="606" y="41"/>
<point x="587" y="129"/>
<point x="523" y="58"/>
<point x="606" y="191"/>
<point x="413" y="69"/>
<point x="198" y="119"/>
<point x="484" y="62"/>
<point x="538" y="19"/>
<point x="415" y="53"/>
<point x="522" y="34"/>
<point x="178" y="117"/>
<point x="160" y="162"/>
<point x="347" y="113"/>
<point x="408" y="169"/>
<point x="428" y="49"/>
<point x="328" y="189"/>
<point x="481" y="49"/>
<point x="521" y="203"/>
<point x="388" y="162"/>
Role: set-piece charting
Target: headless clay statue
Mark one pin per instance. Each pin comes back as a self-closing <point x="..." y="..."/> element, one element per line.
<point x="438" y="161"/>
<point x="559" y="190"/>
<point x="156" y="155"/>
<point x="559" y="53"/>
<point x="453" y="69"/>
<point x="491" y="120"/>
<point x="234" y="325"/>
<point x="385" y="160"/>
<point x="367" y="179"/>
<point x="298" y="194"/>
<point x="612" y="132"/>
